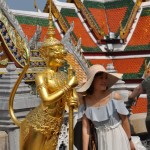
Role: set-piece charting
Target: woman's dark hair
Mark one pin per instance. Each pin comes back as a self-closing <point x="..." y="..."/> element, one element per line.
<point x="90" y="90"/>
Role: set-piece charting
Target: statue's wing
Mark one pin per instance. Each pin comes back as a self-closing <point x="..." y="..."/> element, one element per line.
<point x="75" y="56"/>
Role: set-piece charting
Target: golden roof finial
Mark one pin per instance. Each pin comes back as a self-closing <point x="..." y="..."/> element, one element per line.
<point x="50" y="40"/>
<point x="51" y="31"/>
<point x="50" y="43"/>
<point x="147" y="69"/>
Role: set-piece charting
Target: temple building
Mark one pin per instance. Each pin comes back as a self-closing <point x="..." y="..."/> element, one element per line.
<point x="113" y="33"/>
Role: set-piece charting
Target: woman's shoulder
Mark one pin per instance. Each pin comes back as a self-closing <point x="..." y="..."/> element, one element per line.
<point x="116" y="95"/>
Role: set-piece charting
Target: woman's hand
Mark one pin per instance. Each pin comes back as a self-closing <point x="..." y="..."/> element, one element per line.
<point x="126" y="127"/>
<point x="132" y="145"/>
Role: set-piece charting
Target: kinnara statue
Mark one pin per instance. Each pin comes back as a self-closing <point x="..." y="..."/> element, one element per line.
<point x="39" y="130"/>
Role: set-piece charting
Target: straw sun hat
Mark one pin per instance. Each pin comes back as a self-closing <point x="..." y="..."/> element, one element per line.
<point x="93" y="70"/>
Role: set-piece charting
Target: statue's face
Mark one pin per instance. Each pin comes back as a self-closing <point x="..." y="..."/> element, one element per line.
<point x="57" y="56"/>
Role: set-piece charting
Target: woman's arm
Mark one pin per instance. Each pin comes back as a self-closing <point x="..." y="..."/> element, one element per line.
<point x="136" y="92"/>
<point x="85" y="132"/>
<point x="133" y="97"/>
<point x="126" y="127"/>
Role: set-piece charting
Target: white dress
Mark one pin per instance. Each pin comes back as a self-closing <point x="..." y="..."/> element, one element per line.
<point x="111" y="135"/>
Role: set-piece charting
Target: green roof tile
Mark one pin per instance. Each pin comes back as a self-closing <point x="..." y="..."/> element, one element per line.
<point x="32" y="20"/>
<point x="108" y="5"/>
<point x="145" y="12"/>
<point x="68" y="12"/>
<point x="135" y="48"/>
<point x="91" y="49"/>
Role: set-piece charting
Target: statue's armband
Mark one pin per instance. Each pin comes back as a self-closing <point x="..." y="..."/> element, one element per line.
<point x="40" y="86"/>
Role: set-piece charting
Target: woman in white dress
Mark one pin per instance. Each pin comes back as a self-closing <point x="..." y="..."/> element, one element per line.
<point x="106" y="109"/>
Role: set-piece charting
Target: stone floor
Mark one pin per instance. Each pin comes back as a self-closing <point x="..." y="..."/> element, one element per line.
<point x="145" y="139"/>
<point x="146" y="143"/>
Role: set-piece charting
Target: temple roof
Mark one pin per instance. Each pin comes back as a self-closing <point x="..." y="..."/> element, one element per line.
<point x="139" y="40"/>
<point x="114" y="32"/>
<point x="89" y="44"/>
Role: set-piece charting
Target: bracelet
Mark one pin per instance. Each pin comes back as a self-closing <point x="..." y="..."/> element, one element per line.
<point x="130" y="139"/>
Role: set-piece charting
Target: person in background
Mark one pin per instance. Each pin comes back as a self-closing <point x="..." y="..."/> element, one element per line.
<point x="106" y="110"/>
<point x="142" y="88"/>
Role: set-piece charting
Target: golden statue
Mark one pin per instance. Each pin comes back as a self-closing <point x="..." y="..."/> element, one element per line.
<point x="40" y="128"/>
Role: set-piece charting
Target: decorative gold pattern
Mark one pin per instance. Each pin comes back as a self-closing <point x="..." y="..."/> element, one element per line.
<point x="58" y="16"/>
<point x="98" y="32"/>
<point x="43" y="120"/>
<point x="4" y="62"/>
<point x="125" y="31"/>
<point x="60" y="20"/>
<point x="147" y="70"/>
<point x="20" y="44"/>
<point x="13" y="41"/>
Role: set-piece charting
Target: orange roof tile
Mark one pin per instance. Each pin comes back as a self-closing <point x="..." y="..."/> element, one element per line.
<point x="80" y="32"/>
<point x="130" y="65"/>
<point x="103" y="62"/>
<point x="141" y="106"/>
<point x="141" y="34"/>
<point x="115" y="16"/>
<point x="29" y="30"/>
<point x="100" y="17"/>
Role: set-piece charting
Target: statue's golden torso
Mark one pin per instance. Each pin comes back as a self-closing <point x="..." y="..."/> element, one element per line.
<point x="47" y="119"/>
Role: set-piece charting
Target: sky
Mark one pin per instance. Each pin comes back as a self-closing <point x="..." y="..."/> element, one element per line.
<point x="25" y="4"/>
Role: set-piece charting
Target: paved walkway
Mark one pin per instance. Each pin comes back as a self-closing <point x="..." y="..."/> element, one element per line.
<point x="146" y="143"/>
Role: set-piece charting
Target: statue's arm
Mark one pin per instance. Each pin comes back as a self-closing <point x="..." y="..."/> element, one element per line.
<point x="43" y="91"/>
<point x="49" y="98"/>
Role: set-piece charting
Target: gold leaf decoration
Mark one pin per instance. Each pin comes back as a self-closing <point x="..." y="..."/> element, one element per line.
<point x="4" y="62"/>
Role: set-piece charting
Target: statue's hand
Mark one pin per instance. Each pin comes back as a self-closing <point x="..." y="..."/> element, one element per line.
<point x="73" y="82"/>
<point x="72" y="102"/>
<point x="73" y="99"/>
